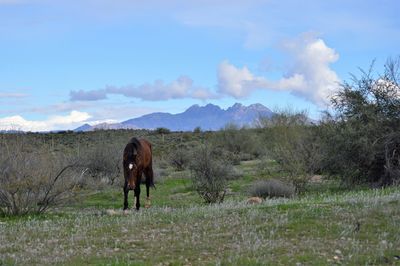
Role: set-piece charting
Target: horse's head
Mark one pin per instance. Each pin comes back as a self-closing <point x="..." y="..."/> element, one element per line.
<point x="130" y="166"/>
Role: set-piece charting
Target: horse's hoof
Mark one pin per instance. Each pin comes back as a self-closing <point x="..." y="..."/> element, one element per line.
<point x="126" y="212"/>
<point x="148" y="203"/>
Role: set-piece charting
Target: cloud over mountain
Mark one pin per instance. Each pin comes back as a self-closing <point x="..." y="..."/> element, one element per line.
<point x="182" y="87"/>
<point x="309" y="75"/>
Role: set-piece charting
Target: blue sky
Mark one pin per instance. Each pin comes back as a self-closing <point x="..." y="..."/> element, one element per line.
<point x="65" y="63"/>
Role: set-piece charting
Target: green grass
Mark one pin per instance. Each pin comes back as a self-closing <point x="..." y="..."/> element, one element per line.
<point x="317" y="228"/>
<point x="312" y="230"/>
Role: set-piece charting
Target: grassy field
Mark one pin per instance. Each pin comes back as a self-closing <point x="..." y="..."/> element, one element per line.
<point x="356" y="228"/>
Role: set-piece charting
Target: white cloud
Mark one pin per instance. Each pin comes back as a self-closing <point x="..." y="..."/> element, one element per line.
<point x="74" y="118"/>
<point x="312" y="59"/>
<point x="237" y="82"/>
<point x="309" y="76"/>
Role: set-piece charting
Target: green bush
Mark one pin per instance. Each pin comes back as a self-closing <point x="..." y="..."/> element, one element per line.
<point x="244" y="143"/>
<point x="209" y="175"/>
<point x="292" y="141"/>
<point x="362" y="137"/>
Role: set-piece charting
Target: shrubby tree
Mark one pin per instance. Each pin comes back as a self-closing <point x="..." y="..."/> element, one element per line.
<point x="35" y="179"/>
<point x="363" y="136"/>
<point x="243" y="143"/>
<point x="209" y="174"/>
<point x="291" y="140"/>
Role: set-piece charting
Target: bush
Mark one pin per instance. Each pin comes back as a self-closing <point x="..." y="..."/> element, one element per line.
<point x="162" y="130"/>
<point x="294" y="144"/>
<point x="241" y="142"/>
<point x="160" y="170"/>
<point x="33" y="180"/>
<point x="362" y="139"/>
<point x="209" y="175"/>
<point x="197" y="130"/>
<point x="228" y="156"/>
<point x="104" y="162"/>
<point x="271" y="188"/>
<point x="179" y="157"/>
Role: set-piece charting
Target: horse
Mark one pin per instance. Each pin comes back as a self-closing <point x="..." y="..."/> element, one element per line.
<point x="137" y="160"/>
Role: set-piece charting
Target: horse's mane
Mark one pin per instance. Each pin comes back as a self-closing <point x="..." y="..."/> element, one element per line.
<point x="135" y="145"/>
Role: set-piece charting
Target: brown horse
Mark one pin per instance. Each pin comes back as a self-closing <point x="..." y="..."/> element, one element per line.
<point x="137" y="160"/>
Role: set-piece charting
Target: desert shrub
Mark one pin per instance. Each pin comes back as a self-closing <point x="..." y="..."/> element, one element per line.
<point x="209" y="174"/>
<point x="267" y="167"/>
<point x="271" y="188"/>
<point x="160" y="162"/>
<point x="361" y="137"/>
<point x="162" y="130"/>
<point x="197" y="130"/>
<point x="180" y="156"/>
<point x="228" y="156"/>
<point x="159" y="174"/>
<point x="241" y="142"/>
<point x="160" y="170"/>
<point x="294" y="144"/>
<point x="35" y="179"/>
<point x="104" y="162"/>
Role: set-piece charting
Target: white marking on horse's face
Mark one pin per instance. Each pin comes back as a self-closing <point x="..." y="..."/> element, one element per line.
<point x="130" y="166"/>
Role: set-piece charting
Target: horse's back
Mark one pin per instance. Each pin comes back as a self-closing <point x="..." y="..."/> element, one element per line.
<point x="146" y="152"/>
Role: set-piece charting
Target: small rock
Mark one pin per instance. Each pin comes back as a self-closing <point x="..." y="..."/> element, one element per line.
<point x="316" y="178"/>
<point x="254" y="200"/>
<point x="111" y="212"/>
<point x="337" y="251"/>
<point x="336" y="258"/>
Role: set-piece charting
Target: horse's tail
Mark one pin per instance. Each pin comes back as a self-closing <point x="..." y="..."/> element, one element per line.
<point x="152" y="177"/>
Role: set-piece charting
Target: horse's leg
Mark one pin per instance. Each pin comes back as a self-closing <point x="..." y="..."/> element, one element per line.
<point x="126" y="191"/>
<point x="137" y="195"/>
<point x="149" y="182"/>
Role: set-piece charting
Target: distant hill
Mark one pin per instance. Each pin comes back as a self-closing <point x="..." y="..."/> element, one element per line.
<point x="209" y="117"/>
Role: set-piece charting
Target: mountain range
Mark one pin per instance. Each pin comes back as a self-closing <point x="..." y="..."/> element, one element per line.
<point x="208" y="117"/>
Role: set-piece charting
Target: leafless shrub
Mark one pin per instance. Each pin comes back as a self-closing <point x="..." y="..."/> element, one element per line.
<point x="209" y="175"/>
<point x="179" y="157"/>
<point x="104" y="163"/>
<point x="271" y="188"/>
<point x="228" y="156"/>
<point x="33" y="180"/>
